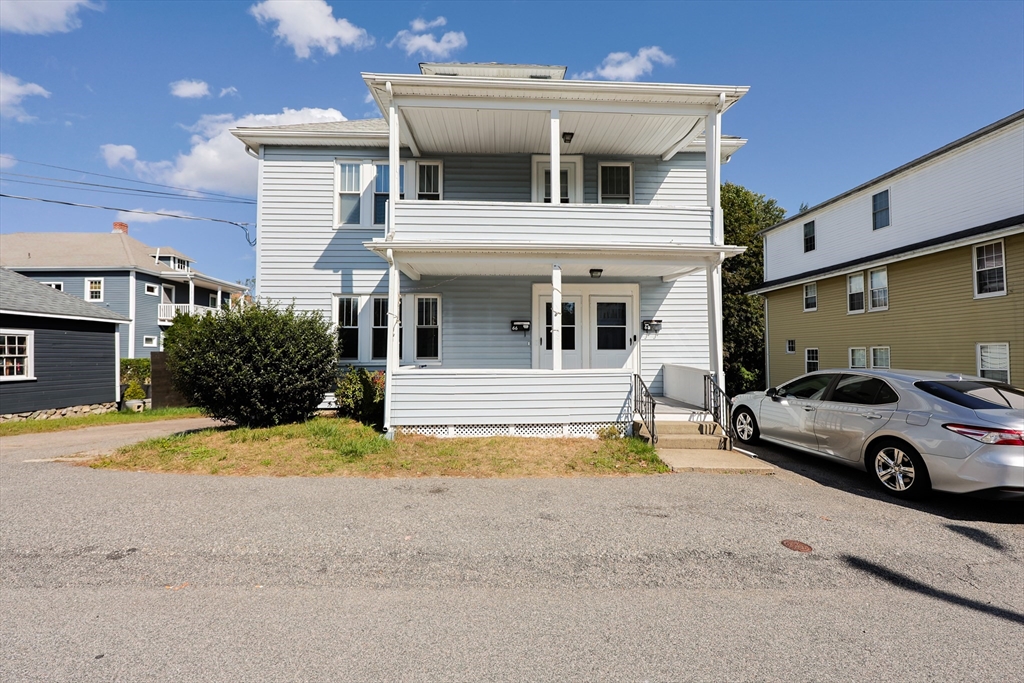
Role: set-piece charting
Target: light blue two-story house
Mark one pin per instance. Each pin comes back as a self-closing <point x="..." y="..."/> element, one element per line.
<point x="115" y="271"/>
<point x="430" y="239"/>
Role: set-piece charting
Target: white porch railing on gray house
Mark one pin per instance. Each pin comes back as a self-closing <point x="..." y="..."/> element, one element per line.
<point x="166" y="312"/>
<point x="539" y="223"/>
<point x="444" y="402"/>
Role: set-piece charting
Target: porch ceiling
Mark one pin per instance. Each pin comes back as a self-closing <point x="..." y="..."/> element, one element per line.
<point x="576" y="260"/>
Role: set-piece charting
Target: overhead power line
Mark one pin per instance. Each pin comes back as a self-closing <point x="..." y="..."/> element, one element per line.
<point x="114" y="189"/>
<point x="244" y="226"/>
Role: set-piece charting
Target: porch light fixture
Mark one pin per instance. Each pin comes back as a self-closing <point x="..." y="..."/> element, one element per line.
<point x="595" y="273"/>
<point x="567" y="138"/>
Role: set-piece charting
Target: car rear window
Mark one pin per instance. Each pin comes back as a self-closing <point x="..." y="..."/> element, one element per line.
<point x="975" y="395"/>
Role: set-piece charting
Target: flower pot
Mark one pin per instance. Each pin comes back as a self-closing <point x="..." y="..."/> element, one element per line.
<point x="134" y="406"/>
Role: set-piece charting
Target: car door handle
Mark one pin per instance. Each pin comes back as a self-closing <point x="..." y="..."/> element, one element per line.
<point x="872" y="416"/>
<point x="808" y="408"/>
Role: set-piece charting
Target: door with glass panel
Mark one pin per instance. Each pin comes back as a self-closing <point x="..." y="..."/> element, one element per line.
<point x="567" y="175"/>
<point x="612" y="337"/>
<point x="572" y="346"/>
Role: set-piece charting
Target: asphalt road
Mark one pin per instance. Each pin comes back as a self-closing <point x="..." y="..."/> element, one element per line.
<point x="115" y="576"/>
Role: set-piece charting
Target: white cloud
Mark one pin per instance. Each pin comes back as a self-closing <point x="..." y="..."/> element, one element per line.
<point x="230" y="90"/>
<point x="622" y="66"/>
<point x="420" y="25"/>
<point x="12" y="91"/>
<point x="190" y="89"/>
<point x="7" y="161"/>
<point x="217" y="160"/>
<point x="132" y="217"/>
<point x="307" y="24"/>
<point x="39" y="18"/>
<point x="368" y="98"/>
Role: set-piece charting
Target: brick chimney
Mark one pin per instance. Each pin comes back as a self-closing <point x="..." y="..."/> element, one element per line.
<point x="120" y="227"/>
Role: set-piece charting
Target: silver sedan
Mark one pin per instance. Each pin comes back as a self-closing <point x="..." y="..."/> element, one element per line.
<point x="912" y="431"/>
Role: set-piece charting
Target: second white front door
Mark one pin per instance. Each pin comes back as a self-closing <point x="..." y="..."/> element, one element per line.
<point x="611" y="331"/>
<point x="599" y="326"/>
<point x="572" y="333"/>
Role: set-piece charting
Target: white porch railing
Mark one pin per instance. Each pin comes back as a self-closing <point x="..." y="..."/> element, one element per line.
<point x="540" y="223"/>
<point x="525" y="402"/>
<point x="166" y="312"/>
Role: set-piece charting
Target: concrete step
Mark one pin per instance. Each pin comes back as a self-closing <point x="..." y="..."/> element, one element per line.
<point x="666" y="427"/>
<point x="701" y="441"/>
<point x="712" y="461"/>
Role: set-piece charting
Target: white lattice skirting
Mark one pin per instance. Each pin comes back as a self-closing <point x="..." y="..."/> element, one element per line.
<point x="572" y="429"/>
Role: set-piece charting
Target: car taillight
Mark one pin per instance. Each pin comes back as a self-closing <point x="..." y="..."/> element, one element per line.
<point x="996" y="437"/>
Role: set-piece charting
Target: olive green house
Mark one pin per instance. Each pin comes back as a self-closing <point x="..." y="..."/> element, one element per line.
<point x="921" y="268"/>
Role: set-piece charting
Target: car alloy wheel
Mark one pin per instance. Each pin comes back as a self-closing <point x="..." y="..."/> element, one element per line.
<point x="899" y="469"/>
<point x="745" y="426"/>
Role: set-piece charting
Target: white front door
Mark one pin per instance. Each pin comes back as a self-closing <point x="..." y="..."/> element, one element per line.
<point x="572" y="333"/>
<point x="610" y="331"/>
<point x="571" y="179"/>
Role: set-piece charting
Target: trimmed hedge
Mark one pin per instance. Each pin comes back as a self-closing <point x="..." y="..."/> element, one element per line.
<point x="258" y="366"/>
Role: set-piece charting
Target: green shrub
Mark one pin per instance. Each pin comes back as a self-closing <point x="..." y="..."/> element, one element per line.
<point x="360" y="395"/>
<point x="609" y="432"/>
<point x="135" y="370"/>
<point x="134" y="392"/>
<point x="258" y="366"/>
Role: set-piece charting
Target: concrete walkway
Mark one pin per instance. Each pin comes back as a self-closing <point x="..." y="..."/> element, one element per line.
<point x="712" y="461"/>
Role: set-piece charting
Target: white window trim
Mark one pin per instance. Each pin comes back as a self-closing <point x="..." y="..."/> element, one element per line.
<point x="811" y="310"/>
<point x="155" y="289"/>
<point x="366" y="178"/>
<point x="150" y="344"/>
<point x="415" y="326"/>
<point x="863" y="291"/>
<point x="603" y="164"/>
<point x="871" y="208"/>
<point x="413" y="192"/>
<point x="803" y="236"/>
<point x="536" y="174"/>
<point x="977" y="352"/>
<point x="806" y="359"/>
<point x="363" y="355"/>
<point x="871" y="359"/>
<point x="375" y="167"/>
<point x="974" y="269"/>
<point x="867" y="290"/>
<point x="51" y="283"/>
<point x="103" y="288"/>
<point x="212" y="300"/>
<point x="30" y="352"/>
<point x="794" y="346"/>
<point x="849" y="357"/>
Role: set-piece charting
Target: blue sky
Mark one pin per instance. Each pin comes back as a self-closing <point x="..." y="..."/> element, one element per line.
<point x="840" y="92"/>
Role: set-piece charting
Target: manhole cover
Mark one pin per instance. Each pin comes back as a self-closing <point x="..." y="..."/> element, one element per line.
<point x="797" y="546"/>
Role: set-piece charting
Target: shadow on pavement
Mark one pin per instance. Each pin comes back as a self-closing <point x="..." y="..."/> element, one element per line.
<point x="905" y="582"/>
<point x="947" y="505"/>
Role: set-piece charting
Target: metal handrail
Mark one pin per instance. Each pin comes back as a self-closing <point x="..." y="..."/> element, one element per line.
<point x="643" y="405"/>
<point x="718" y="403"/>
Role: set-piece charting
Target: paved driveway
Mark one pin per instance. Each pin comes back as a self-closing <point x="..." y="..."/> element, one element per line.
<point x="128" y="576"/>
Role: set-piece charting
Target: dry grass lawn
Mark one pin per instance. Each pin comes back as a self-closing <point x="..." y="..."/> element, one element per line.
<point x="341" y="447"/>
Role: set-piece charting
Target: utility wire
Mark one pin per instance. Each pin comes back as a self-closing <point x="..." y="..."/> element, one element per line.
<point x="129" y="191"/>
<point x="129" y="180"/>
<point x="243" y="226"/>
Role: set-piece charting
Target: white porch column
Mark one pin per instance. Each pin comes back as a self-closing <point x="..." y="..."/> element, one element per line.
<point x="131" y="315"/>
<point x="219" y="294"/>
<point x="713" y="156"/>
<point x="714" y="284"/>
<point x="556" y="159"/>
<point x="394" y="187"/>
<point x="556" y="318"/>
<point x="394" y="330"/>
<point x="191" y="295"/>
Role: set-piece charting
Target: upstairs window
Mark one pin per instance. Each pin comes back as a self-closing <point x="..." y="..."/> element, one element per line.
<point x="348" y="327"/>
<point x="152" y="290"/>
<point x="880" y="210"/>
<point x="994" y="362"/>
<point x="59" y="286"/>
<point x="808" y="237"/>
<point x="855" y="293"/>
<point x="16" y="354"/>
<point x="879" y="295"/>
<point x="811" y="297"/>
<point x="616" y="184"/>
<point x="989" y="270"/>
<point x="349" y="190"/>
<point x="428" y="180"/>
<point x="94" y="289"/>
<point x="382" y="191"/>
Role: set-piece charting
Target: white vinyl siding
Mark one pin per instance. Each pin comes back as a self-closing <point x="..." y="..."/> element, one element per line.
<point x="989" y="270"/>
<point x="994" y="362"/>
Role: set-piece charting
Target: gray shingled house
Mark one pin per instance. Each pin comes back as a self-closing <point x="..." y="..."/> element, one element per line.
<point x="57" y="352"/>
<point x="118" y="273"/>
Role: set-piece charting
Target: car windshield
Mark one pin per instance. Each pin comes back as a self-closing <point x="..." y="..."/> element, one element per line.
<point x="811" y="387"/>
<point x="976" y="395"/>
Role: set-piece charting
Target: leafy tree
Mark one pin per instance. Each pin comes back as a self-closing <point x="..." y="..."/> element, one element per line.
<point x="258" y="366"/>
<point x="744" y="213"/>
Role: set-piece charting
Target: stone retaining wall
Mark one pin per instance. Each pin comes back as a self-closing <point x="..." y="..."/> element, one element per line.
<point x="55" y="413"/>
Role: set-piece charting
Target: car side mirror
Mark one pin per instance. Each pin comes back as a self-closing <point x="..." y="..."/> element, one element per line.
<point x="772" y="392"/>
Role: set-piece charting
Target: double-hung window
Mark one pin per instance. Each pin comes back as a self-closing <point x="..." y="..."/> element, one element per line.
<point x="348" y="327"/>
<point x="16" y="355"/>
<point x="616" y="183"/>
<point x="994" y="362"/>
<point x="379" y="329"/>
<point x="810" y="360"/>
<point x="382" y="190"/>
<point x="878" y="281"/>
<point x="989" y="270"/>
<point x="855" y="293"/>
<point x="858" y="357"/>
<point x="880" y="210"/>
<point x="428" y="327"/>
<point x="808" y="237"/>
<point x="94" y="289"/>
<point x="428" y="180"/>
<point x="349" y="194"/>
<point x="880" y="356"/>
<point x="811" y="297"/>
<point x="791" y="346"/>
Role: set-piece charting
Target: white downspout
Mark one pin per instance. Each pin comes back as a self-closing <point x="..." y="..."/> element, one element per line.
<point x="131" y="314"/>
<point x="556" y="318"/>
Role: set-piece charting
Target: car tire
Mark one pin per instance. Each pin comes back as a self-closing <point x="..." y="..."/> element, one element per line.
<point x="897" y="468"/>
<point x="744" y="426"/>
